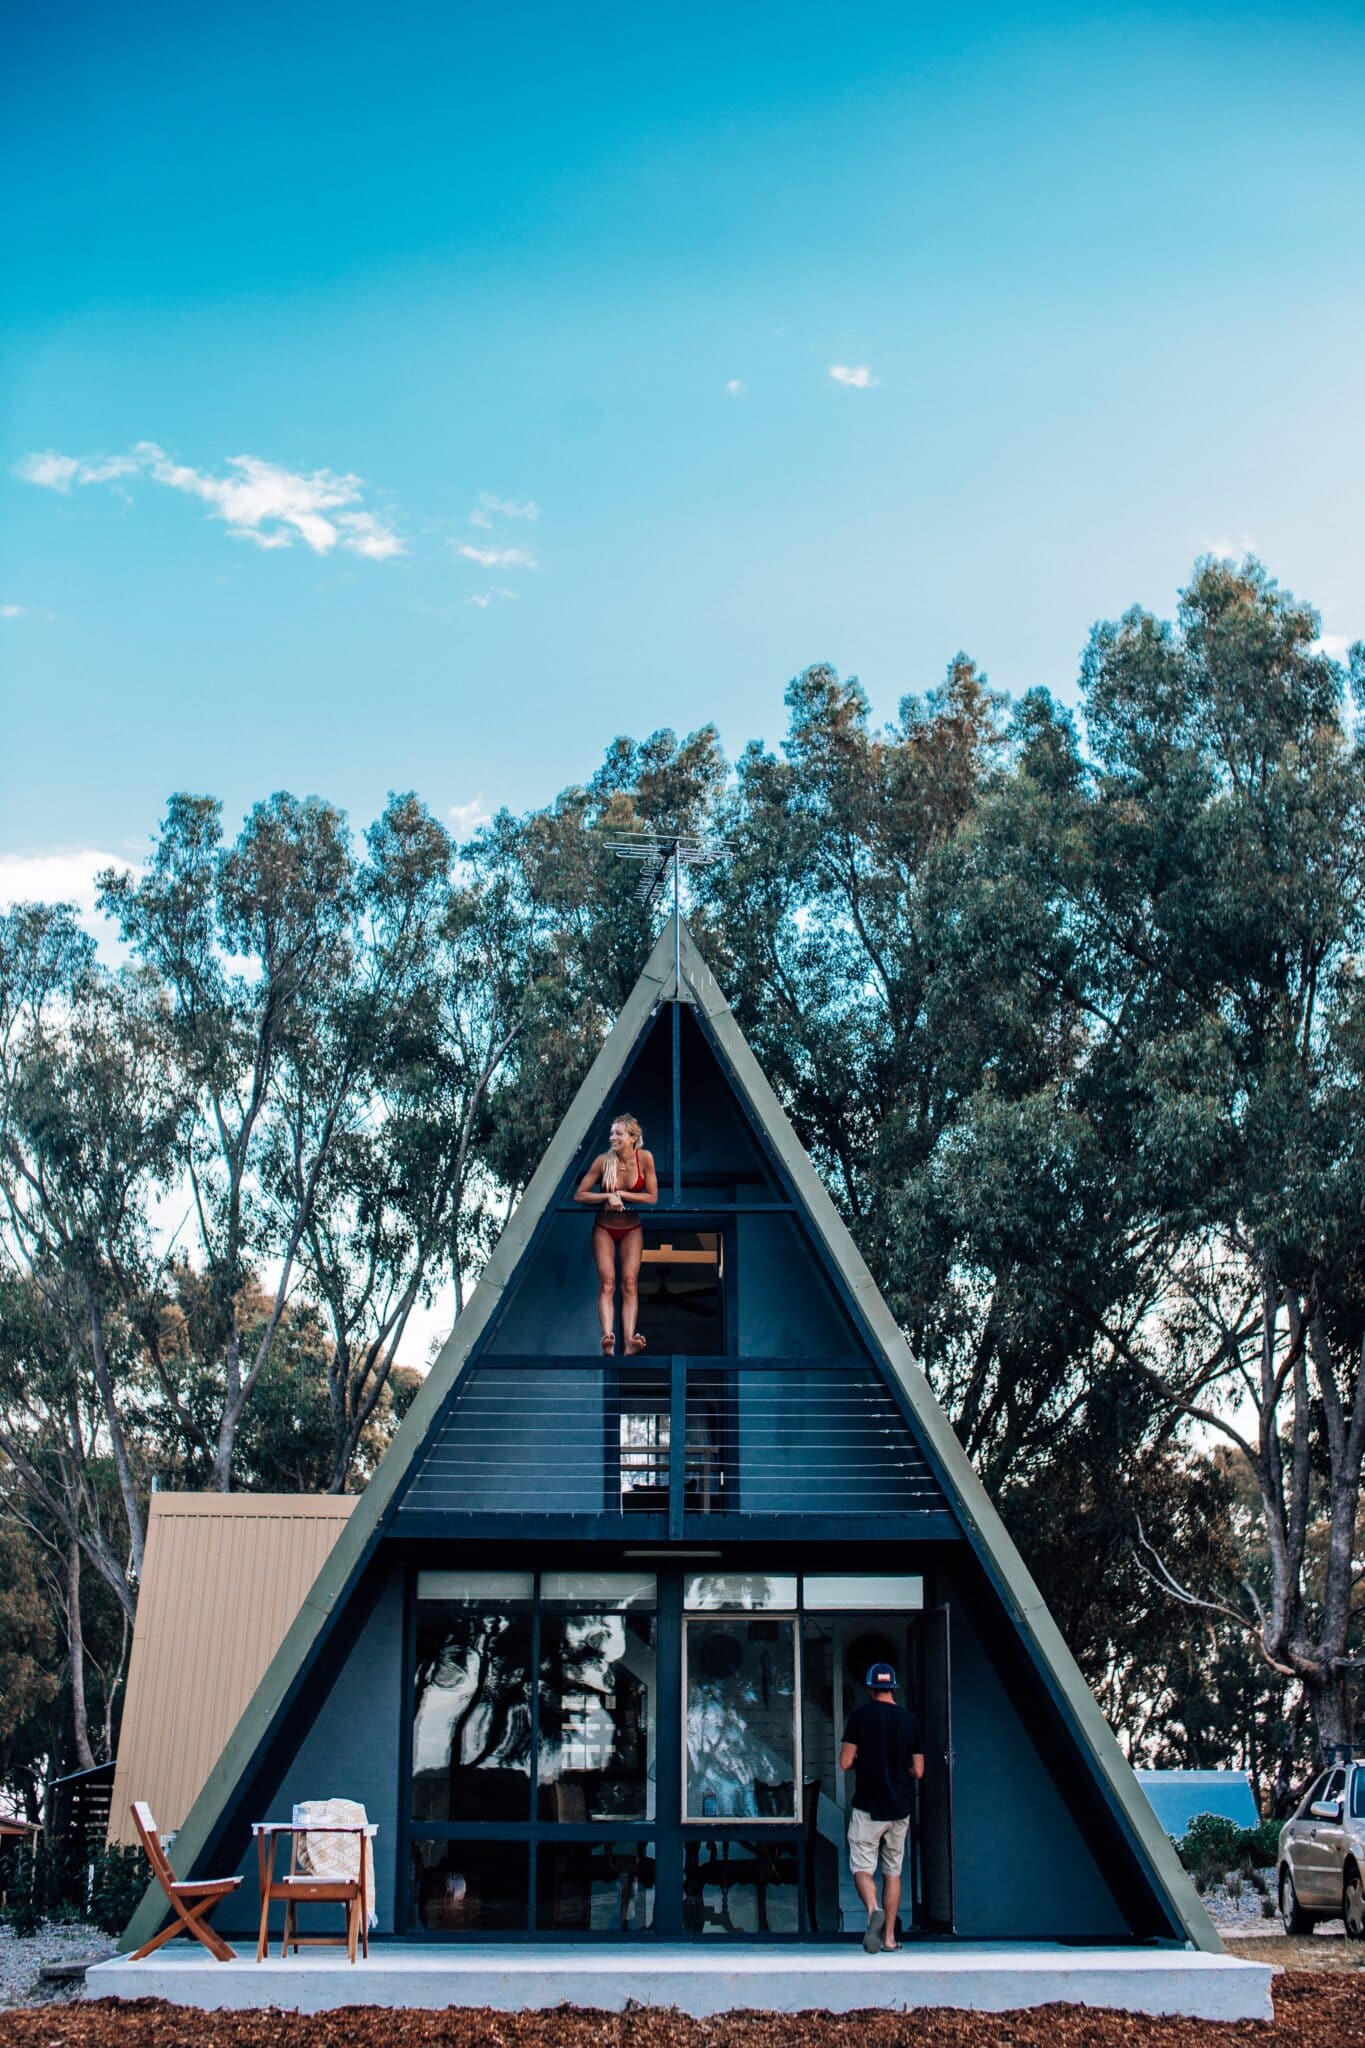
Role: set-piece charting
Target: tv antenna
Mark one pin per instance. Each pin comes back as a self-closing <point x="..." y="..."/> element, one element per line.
<point x="661" y="854"/>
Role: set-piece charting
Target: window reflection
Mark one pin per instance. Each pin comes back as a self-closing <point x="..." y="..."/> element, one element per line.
<point x="604" y="1886"/>
<point x="741" y="1719"/>
<point x="457" y="1886"/>
<point x="597" y="1692"/>
<point x="471" y="1747"/>
<point x="735" y="1887"/>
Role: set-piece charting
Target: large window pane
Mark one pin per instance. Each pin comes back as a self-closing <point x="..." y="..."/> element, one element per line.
<point x="606" y="1886"/>
<point x="475" y="1886"/>
<point x="741" y="1719"/>
<point x="471" y="1737"/>
<point x="734" y="1887"/>
<point x="597" y="1710"/>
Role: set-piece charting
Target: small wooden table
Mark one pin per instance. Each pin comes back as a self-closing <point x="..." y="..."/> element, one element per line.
<point x="299" y="1887"/>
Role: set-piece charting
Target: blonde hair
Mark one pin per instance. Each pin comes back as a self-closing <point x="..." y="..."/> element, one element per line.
<point x="611" y="1171"/>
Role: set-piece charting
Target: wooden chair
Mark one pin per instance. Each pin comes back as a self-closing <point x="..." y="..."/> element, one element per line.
<point x="191" y="1903"/>
<point x="296" y="1887"/>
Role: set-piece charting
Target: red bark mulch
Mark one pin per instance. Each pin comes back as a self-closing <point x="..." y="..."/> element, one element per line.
<point x="1313" y="2009"/>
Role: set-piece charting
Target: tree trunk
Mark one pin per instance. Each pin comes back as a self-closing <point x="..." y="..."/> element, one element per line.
<point x="104" y="1380"/>
<point x="80" y="1720"/>
<point x="1330" y="1703"/>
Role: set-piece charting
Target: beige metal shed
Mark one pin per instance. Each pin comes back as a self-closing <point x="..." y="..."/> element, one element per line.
<point x="224" y="1576"/>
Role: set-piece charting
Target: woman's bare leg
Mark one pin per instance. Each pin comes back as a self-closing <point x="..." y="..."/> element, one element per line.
<point x="632" y="1250"/>
<point x="604" y="1258"/>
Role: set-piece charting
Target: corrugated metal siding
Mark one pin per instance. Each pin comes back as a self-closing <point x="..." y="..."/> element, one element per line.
<point x="223" y="1578"/>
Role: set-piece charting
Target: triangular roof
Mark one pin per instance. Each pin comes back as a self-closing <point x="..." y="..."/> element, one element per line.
<point x="690" y="981"/>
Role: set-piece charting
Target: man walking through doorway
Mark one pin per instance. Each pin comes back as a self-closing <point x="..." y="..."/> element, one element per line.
<point x="881" y="1747"/>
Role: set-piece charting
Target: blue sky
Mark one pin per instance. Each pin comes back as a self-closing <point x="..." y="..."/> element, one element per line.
<point x="305" y="304"/>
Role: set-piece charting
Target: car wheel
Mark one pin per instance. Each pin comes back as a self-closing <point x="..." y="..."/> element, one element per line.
<point x="1296" y="1921"/>
<point x="1353" y="1904"/>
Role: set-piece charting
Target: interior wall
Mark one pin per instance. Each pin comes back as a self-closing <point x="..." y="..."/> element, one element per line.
<point x="350" y="1751"/>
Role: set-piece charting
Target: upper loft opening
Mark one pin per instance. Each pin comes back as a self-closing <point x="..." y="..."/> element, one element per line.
<point x="729" y="1266"/>
<point x="720" y="1160"/>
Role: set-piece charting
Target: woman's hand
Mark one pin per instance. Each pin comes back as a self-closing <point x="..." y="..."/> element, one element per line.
<point x="614" y="1201"/>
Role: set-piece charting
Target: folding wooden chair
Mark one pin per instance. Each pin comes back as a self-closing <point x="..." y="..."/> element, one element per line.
<point x="191" y="1903"/>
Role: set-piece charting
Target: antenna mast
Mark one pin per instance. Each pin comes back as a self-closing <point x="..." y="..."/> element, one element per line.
<point x="658" y="853"/>
<point x="662" y="853"/>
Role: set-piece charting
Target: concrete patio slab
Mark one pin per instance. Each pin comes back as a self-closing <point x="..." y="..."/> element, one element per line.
<point x="984" y="1977"/>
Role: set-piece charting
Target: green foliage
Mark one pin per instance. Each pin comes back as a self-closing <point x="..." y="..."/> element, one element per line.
<point x="54" y="1884"/>
<point x="118" y="1880"/>
<point x="1214" y="1845"/>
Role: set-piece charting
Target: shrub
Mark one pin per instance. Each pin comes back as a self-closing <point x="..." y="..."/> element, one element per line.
<point x="47" y="1888"/>
<point x="119" y="1879"/>
<point x="1214" y="1845"/>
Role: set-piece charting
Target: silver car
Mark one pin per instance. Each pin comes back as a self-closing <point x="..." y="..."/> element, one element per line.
<point x="1322" y="1855"/>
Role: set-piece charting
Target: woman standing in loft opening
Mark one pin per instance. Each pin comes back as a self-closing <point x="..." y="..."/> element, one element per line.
<point x="620" y="1179"/>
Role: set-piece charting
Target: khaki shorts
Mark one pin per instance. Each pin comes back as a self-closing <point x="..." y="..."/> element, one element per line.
<point x="872" y="1840"/>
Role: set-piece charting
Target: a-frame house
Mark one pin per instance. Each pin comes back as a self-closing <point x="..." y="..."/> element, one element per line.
<point x="585" y="1646"/>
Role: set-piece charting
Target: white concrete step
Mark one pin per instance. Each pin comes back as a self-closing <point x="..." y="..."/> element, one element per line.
<point x="985" y="1977"/>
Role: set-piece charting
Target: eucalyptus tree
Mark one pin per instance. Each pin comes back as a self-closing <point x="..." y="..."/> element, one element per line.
<point x="252" y="948"/>
<point x="89" y="1121"/>
<point x="1224" y="909"/>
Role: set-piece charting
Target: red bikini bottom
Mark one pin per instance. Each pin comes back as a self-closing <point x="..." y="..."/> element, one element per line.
<point x="616" y="1231"/>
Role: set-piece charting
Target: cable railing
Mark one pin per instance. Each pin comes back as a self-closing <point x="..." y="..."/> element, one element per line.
<point x="546" y="1437"/>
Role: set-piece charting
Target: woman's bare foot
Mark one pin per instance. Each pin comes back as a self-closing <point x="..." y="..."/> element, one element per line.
<point x="635" y="1343"/>
<point x="609" y="1342"/>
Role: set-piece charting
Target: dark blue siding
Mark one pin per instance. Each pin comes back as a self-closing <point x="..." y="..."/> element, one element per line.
<point x="1022" y="1866"/>
<point x="351" y="1751"/>
<point x="787" y="1308"/>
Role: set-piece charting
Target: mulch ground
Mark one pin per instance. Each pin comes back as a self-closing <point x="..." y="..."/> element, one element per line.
<point x="1313" y="2009"/>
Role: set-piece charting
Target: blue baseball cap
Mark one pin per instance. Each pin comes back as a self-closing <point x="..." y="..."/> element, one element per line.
<point x="881" y="1678"/>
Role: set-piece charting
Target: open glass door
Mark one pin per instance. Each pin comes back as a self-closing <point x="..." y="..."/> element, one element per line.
<point x="936" y="1787"/>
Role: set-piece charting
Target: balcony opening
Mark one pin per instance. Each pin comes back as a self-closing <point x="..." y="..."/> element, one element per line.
<point x="682" y="1299"/>
<point x="642" y="1421"/>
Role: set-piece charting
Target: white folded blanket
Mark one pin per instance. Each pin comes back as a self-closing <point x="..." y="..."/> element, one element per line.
<point x="335" y="1856"/>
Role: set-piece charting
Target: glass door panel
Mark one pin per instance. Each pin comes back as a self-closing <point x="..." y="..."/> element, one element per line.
<point x="471" y="1736"/>
<point x="597" y="1713"/>
<point x="742" y="1740"/>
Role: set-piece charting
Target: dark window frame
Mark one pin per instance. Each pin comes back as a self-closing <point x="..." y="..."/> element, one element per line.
<point x="533" y="1829"/>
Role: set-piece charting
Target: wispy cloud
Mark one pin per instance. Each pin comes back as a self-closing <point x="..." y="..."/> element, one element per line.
<point x="65" y="875"/>
<point x="12" y="611"/>
<point x="735" y="388"/>
<point x="490" y="508"/>
<point x="1225" y="550"/>
<point x="483" y="598"/>
<point x="856" y="375"/>
<point x="497" y="558"/>
<point x="258" y="501"/>
<point x="60" y="472"/>
<point x="469" y="816"/>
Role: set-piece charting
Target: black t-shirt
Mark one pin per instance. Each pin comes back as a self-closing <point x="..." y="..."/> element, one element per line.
<point x="886" y="1738"/>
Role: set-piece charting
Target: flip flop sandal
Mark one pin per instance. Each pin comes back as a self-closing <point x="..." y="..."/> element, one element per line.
<point x="872" y="1940"/>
